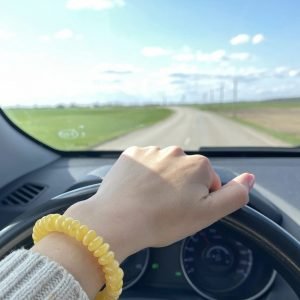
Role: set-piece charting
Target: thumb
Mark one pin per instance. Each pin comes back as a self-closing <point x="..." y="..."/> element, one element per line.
<point x="230" y="197"/>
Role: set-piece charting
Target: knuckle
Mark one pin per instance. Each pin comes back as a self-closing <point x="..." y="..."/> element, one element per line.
<point x="152" y="148"/>
<point x="131" y="150"/>
<point x="206" y="165"/>
<point x="175" y="150"/>
<point x="203" y="161"/>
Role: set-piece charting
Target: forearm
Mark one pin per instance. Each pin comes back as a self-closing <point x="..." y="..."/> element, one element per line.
<point x="59" y="266"/>
<point x="75" y="257"/>
<point x="28" y="275"/>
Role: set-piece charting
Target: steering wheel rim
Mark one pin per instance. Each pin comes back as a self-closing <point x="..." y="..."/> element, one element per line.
<point x="281" y="248"/>
<point x="272" y="240"/>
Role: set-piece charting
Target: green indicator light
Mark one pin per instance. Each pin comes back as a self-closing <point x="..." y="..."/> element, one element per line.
<point x="178" y="274"/>
<point x="155" y="266"/>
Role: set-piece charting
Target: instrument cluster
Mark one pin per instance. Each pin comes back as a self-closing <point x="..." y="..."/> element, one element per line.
<point x="214" y="262"/>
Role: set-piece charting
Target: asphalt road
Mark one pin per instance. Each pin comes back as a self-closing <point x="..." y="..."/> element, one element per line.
<point x="191" y="129"/>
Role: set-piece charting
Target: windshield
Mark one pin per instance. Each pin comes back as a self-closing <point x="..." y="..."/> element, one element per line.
<point x="108" y="74"/>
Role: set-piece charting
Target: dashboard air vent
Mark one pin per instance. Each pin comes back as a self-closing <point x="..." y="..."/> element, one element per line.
<point x="23" y="195"/>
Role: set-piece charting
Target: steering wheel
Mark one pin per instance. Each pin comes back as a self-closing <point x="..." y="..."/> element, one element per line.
<point x="282" y="249"/>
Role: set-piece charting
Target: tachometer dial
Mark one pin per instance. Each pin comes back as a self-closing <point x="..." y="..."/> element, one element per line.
<point x="214" y="264"/>
<point x="134" y="267"/>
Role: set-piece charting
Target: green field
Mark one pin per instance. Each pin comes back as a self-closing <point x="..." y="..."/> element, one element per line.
<point x="278" y="118"/>
<point x="83" y="128"/>
<point x="240" y="106"/>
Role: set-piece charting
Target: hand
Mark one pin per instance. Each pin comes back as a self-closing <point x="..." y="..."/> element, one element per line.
<point x="150" y="198"/>
<point x="153" y="197"/>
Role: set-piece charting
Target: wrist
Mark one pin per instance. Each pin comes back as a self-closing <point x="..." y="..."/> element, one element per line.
<point x="75" y="258"/>
<point x="107" y="224"/>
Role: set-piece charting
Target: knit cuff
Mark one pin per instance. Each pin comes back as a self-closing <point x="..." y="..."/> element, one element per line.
<point x="29" y="275"/>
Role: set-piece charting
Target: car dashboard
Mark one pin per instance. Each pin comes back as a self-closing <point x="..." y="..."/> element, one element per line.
<point x="212" y="264"/>
<point x="215" y="263"/>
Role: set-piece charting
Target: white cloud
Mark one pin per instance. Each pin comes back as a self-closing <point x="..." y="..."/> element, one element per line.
<point x="220" y="56"/>
<point x="45" y="79"/>
<point x="186" y="54"/>
<point x="285" y="72"/>
<point x="6" y="35"/>
<point x="240" y="39"/>
<point x="37" y="78"/>
<point x="242" y="56"/>
<point x="45" y="38"/>
<point x="246" y="38"/>
<point x="64" y="34"/>
<point x="131" y="80"/>
<point x="257" y="39"/>
<point x="178" y="68"/>
<point x="210" y="75"/>
<point x="155" y="51"/>
<point x="117" y="69"/>
<point x="294" y="73"/>
<point x="215" y="56"/>
<point x="184" y="57"/>
<point x="94" y="4"/>
<point x="282" y="70"/>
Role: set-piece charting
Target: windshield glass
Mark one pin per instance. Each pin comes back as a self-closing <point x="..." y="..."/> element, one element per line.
<point x="107" y="74"/>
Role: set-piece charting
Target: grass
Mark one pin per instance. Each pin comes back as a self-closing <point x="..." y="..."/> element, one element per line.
<point x="83" y="128"/>
<point x="278" y="118"/>
<point x="282" y="136"/>
<point x="236" y="107"/>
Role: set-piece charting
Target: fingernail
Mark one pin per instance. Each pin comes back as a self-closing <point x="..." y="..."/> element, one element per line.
<point x="250" y="180"/>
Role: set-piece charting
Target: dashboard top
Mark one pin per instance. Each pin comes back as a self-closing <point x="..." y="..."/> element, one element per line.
<point x="277" y="180"/>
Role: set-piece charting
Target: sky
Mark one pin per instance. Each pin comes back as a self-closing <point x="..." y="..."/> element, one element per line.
<point x="147" y="51"/>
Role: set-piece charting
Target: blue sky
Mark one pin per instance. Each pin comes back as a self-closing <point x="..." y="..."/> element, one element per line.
<point x="87" y="51"/>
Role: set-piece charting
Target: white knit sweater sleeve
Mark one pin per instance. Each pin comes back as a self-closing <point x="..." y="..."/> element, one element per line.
<point x="28" y="275"/>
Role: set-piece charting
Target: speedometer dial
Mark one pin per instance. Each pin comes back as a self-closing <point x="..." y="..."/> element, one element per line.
<point x="134" y="267"/>
<point x="214" y="264"/>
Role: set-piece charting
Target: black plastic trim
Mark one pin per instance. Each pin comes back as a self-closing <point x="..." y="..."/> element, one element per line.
<point x="280" y="247"/>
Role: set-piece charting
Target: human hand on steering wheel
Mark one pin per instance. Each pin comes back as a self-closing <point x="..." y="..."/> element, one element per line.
<point x="150" y="198"/>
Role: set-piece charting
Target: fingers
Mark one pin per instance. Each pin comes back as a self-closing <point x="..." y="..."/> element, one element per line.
<point x="216" y="182"/>
<point x="230" y="197"/>
<point x="151" y="148"/>
<point x="168" y="151"/>
<point x="173" y="150"/>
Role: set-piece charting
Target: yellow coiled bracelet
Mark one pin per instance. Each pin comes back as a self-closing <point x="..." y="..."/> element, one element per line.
<point x="95" y="244"/>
